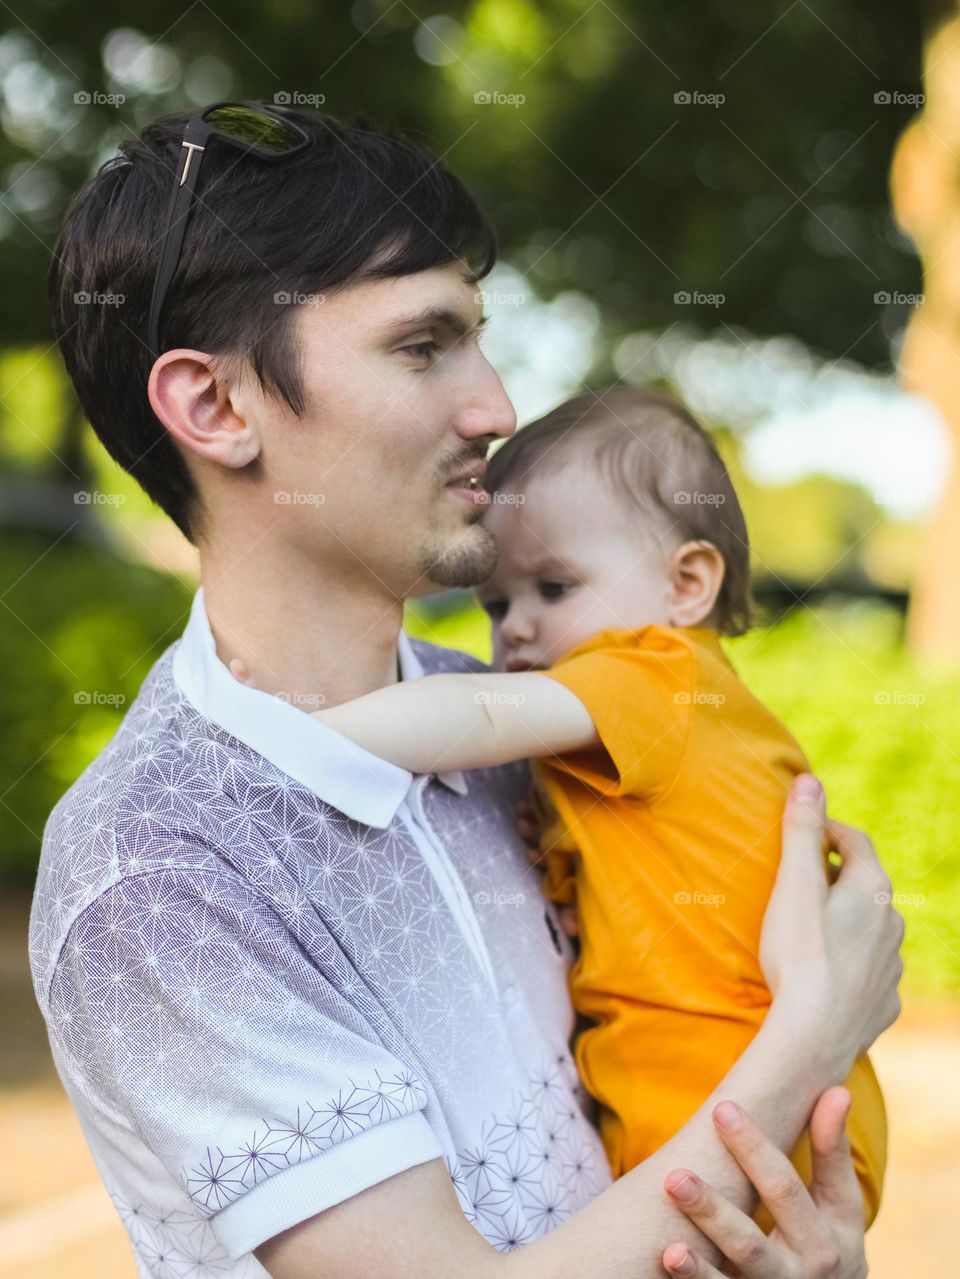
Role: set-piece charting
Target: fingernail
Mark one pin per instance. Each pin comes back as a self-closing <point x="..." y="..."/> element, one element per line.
<point x="686" y="1189"/>
<point x="808" y="789"/>
<point x="685" y="1267"/>
<point x="729" y="1116"/>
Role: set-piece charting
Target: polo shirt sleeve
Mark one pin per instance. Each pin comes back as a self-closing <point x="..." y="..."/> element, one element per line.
<point x="638" y="687"/>
<point x="257" y="1077"/>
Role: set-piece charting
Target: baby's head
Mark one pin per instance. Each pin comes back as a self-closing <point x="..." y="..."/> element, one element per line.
<point x="613" y="510"/>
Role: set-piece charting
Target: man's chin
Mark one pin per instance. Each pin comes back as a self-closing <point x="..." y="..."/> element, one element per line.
<point x="466" y="560"/>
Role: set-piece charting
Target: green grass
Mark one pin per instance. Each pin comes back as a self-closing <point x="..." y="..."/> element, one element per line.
<point x="884" y="737"/>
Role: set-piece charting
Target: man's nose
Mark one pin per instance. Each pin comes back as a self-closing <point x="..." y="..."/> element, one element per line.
<point x="489" y="411"/>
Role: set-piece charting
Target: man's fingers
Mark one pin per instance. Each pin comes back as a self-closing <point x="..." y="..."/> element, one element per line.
<point x="776" y="1180"/>
<point x="737" y="1236"/>
<point x="804" y="825"/>
<point x="861" y="866"/>
<point x="679" y="1259"/>
<point x="834" y="1180"/>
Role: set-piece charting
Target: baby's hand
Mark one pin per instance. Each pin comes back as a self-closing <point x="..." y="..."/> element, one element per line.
<point x="241" y="671"/>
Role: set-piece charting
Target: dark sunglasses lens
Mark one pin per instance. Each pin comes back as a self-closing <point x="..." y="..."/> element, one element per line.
<point x="255" y="128"/>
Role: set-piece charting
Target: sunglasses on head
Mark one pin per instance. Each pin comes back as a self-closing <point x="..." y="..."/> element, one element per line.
<point x="252" y="127"/>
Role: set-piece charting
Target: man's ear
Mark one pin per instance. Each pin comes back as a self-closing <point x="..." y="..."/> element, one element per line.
<point x="696" y="572"/>
<point x="190" y="393"/>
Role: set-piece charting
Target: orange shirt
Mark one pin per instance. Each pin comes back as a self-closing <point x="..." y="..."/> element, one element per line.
<point x="668" y="839"/>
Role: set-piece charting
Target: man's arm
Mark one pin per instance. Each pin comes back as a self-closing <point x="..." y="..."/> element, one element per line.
<point x="440" y="723"/>
<point x="412" y="1225"/>
<point x="831" y="957"/>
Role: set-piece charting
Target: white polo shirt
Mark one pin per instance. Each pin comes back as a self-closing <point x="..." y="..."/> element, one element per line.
<point x="276" y="970"/>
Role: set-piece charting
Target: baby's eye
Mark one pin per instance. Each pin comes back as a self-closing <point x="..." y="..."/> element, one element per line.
<point x="553" y="590"/>
<point x="495" y="609"/>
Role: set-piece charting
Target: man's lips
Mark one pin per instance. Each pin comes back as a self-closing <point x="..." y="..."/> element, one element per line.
<point x="468" y="485"/>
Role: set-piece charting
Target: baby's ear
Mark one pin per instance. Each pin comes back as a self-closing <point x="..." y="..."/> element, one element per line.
<point x="696" y="575"/>
<point x="241" y="671"/>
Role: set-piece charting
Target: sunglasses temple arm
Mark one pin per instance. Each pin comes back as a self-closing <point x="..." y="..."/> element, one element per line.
<point x="178" y="214"/>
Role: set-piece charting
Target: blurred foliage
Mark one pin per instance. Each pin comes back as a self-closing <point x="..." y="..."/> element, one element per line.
<point x="600" y="182"/>
<point x="775" y="197"/>
<point x="77" y="623"/>
<point x="882" y="735"/>
<point x="819" y="527"/>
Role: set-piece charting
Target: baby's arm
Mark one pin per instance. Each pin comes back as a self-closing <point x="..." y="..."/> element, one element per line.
<point x="440" y="723"/>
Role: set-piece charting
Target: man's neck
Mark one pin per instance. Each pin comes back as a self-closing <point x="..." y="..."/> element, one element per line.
<point x="314" y="641"/>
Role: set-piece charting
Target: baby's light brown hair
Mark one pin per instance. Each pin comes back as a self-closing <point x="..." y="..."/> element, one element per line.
<point x="658" y="460"/>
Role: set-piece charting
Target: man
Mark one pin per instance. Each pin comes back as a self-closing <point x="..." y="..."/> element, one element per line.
<point x="310" y="1009"/>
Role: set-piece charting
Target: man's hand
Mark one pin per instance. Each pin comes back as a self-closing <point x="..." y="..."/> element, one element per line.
<point x="819" y="1233"/>
<point x="832" y="950"/>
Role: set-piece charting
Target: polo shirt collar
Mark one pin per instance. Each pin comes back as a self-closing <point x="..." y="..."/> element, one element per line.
<point x="361" y="785"/>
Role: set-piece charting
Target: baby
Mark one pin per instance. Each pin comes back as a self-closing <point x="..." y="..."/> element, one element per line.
<point x="660" y="779"/>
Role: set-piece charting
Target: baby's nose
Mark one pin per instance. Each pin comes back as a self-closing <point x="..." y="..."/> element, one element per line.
<point x="517" y="627"/>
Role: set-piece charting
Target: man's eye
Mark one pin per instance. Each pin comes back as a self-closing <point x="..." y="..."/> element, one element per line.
<point x="553" y="590"/>
<point x="496" y="610"/>
<point x="422" y="350"/>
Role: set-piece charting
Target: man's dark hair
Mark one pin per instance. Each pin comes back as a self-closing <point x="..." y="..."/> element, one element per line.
<point x="659" y="462"/>
<point x="363" y="201"/>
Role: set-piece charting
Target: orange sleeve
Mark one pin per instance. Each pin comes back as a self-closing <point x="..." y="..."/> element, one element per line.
<point x="638" y="687"/>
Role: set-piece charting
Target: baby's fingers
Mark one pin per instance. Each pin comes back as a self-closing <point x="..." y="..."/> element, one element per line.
<point x="569" y="920"/>
<point x="240" y="671"/>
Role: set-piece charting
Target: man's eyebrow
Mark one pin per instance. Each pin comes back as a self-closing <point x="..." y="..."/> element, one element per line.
<point x="436" y="315"/>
